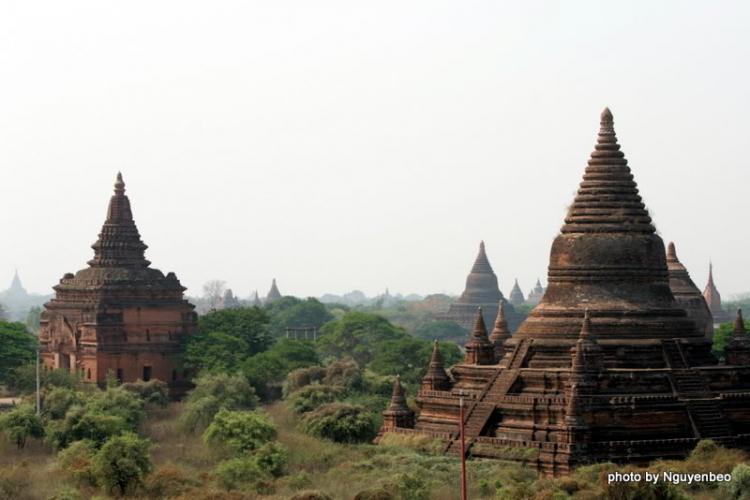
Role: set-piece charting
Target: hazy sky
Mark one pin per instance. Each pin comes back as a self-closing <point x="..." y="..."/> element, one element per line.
<point x="364" y="145"/>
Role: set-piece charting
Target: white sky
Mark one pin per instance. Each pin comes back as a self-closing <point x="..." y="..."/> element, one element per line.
<point x="364" y="145"/>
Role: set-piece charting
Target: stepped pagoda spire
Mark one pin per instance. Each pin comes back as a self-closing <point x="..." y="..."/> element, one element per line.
<point x="481" y="290"/>
<point x="536" y="294"/>
<point x="738" y="348"/>
<point x="119" y="243"/>
<point x="273" y="293"/>
<point x="516" y="295"/>
<point x="608" y="258"/>
<point x="687" y="294"/>
<point x="739" y="326"/>
<point x="713" y="299"/>
<point x="479" y="349"/>
<point x="398" y="414"/>
<point x="119" y="315"/>
<point x="436" y="378"/>
<point x="256" y="300"/>
<point x="500" y="333"/>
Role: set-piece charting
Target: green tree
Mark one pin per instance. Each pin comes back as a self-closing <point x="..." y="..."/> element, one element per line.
<point x="122" y="463"/>
<point x="59" y="400"/>
<point x="442" y="330"/>
<point x="239" y="473"/>
<point x="118" y="402"/>
<point x="239" y="431"/>
<point x="311" y="397"/>
<point x="214" y="392"/>
<point x="339" y="422"/>
<point x="723" y="335"/>
<point x="410" y="357"/>
<point x="23" y="378"/>
<point x="227" y="337"/>
<point x="272" y="366"/>
<point x="272" y="458"/>
<point x="356" y="335"/>
<point x="17" y="348"/>
<point x="80" y="423"/>
<point x="304" y="313"/>
<point x="20" y="424"/>
<point x="152" y="392"/>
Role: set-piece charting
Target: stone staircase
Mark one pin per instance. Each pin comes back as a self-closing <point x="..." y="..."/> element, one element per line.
<point x="673" y="354"/>
<point x="704" y="409"/>
<point x="479" y="413"/>
<point x="708" y="418"/>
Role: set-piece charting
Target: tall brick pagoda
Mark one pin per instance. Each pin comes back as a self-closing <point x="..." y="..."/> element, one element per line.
<point x="481" y="291"/>
<point x="713" y="299"/>
<point x="273" y="293"/>
<point x="687" y="294"/>
<point x="609" y="366"/>
<point x="118" y="314"/>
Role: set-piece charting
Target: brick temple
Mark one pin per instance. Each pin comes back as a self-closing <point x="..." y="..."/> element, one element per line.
<point x="273" y="293"/>
<point x="713" y="300"/>
<point x="118" y="314"/>
<point x="482" y="291"/>
<point x="609" y="366"/>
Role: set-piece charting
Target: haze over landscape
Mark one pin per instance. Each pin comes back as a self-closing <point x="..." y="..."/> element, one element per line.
<point x="342" y="145"/>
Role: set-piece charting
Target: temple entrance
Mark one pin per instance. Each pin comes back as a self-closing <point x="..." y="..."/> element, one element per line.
<point x="146" y="373"/>
<point x="64" y="361"/>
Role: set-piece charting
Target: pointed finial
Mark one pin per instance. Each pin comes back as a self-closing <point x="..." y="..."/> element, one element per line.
<point x="607" y="123"/>
<point x="739" y="324"/>
<point x="481" y="245"/>
<point x="119" y="185"/>
<point x="671" y="252"/>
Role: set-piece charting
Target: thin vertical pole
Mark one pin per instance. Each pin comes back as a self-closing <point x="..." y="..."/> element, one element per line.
<point x="463" y="452"/>
<point x="38" y="385"/>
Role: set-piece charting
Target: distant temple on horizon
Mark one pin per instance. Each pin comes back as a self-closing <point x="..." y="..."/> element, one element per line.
<point x="229" y="300"/>
<point x="273" y="294"/>
<point x="536" y="294"/>
<point x="481" y="291"/>
<point x="118" y="314"/>
<point x="516" y="297"/>
<point x="608" y="367"/>
<point x="713" y="299"/>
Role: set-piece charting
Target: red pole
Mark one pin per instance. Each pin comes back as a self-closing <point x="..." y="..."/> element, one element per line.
<point x="463" y="452"/>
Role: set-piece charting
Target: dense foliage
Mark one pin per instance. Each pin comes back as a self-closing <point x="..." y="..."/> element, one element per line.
<point x="339" y="422"/>
<point x="20" y="424"/>
<point x="723" y="335"/>
<point x="122" y="463"/>
<point x="17" y="348"/>
<point x="357" y="335"/>
<point x="214" y="392"/>
<point x="291" y="312"/>
<point x="410" y="357"/>
<point x="239" y="431"/>
<point x="442" y="330"/>
<point x="267" y="370"/>
<point x="227" y="337"/>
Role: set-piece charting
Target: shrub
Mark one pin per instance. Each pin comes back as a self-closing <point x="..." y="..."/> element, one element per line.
<point x="167" y="482"/>
<point x="302" y="377"/>
<point x="311" y="495"/>
<point x="21" y="423"/>
<point x="59" y="400"/>
<point x="340" y="422"/>
<point x="374" y="494"/>
<point x="80" y="423"/>
<point x="76" y="460"/>
<point x="411" y="487"/>
<point x="239" y="431"/>
<point x="311" y="397"/>
<point x="66" y="493"/>
<point x="122" y="463"/>
<point x="344" y="373"/>
<point x="152" y="392"/>
<point x="739" y="486"/>
<point x="238" y="473"/>
<point x="119" y="403"/>
<point x="212" y="393"/>
<point x="272" y="458"/>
